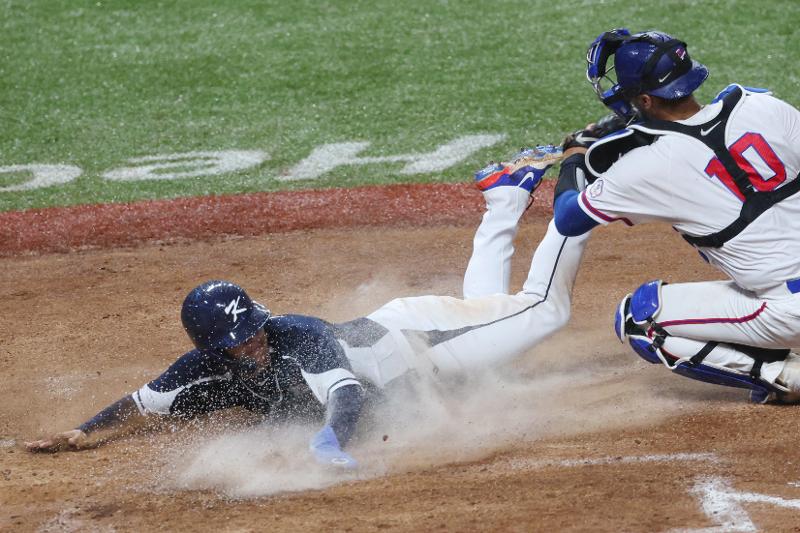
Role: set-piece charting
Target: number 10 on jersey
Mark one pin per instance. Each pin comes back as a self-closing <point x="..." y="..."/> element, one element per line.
<point x="756" y="143"/>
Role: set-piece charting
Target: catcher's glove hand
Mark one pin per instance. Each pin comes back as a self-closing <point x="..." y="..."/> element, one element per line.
<point x="586" y="137"/>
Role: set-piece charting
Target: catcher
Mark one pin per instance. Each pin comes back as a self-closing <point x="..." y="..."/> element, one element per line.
<point x="244" y="356"/>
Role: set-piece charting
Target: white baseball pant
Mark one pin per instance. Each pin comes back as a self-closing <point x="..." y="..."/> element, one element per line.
<point x="442" y="335"/>
<point x="695" y="313"/>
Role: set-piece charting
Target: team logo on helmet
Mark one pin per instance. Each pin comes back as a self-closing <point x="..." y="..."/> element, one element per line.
<point x="234" y="309"/>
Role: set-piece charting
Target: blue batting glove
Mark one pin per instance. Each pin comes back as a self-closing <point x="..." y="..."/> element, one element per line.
<point x="325" y="447"/>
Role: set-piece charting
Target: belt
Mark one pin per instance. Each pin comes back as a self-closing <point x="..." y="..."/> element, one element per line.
<point x="793" y="285"/>
<point x="784" y="289"/>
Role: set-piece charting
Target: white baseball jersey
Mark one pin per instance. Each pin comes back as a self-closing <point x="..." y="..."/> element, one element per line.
<point x="678" y="179"/>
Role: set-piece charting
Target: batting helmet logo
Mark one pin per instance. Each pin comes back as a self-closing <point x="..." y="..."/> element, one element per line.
<point x="233" y="308"/>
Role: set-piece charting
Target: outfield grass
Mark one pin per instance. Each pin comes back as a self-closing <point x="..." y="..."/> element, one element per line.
<point x="93" y="84"/>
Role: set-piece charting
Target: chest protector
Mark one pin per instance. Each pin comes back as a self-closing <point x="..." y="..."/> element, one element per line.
<point x="605" y="152"/>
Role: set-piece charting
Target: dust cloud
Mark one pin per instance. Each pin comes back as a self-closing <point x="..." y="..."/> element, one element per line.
<point x="558" y="389"/>
<point x="418" y="426"/>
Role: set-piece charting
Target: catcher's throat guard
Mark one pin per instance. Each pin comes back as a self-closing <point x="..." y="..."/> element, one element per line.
<point x="597" y="57"/>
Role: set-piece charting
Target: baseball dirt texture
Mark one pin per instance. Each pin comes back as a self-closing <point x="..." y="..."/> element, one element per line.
<point x="579" y="434"/>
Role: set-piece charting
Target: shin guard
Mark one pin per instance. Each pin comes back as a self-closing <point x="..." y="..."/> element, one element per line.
<point x="635" y="322"/>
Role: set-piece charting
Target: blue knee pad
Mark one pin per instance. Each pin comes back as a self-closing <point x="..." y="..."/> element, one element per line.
<point x="646" y="302"/>
<point x="637" y="310"/>
<point x="632" y="317"/>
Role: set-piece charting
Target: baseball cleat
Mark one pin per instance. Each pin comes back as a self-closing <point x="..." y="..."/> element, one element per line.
<point x="525" y="169"/>
<point x="774" y="397"/>
<point x="762" y="396"/>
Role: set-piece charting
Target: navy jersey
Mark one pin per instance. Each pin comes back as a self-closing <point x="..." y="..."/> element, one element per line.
<point x="307" y="365"/>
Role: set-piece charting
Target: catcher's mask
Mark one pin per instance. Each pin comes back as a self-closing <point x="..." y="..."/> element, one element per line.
<point x="218" y="315"/>
<point x="650" y="62"/>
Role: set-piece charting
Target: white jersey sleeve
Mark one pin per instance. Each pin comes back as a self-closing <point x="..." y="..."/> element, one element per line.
<point x="789" y="118"/>
<point x="324" y="383"/>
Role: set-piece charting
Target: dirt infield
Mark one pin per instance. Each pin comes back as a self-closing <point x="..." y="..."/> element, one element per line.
<point x="109" y="225"/>
<point x="578" y="435"/>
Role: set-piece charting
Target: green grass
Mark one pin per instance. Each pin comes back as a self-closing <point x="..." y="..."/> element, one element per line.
<point x="93" y="84"/>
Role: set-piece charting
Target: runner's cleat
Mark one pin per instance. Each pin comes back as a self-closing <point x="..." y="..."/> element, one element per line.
<point x="525" y="170"/>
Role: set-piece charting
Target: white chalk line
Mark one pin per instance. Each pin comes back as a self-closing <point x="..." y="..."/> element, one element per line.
<point x="719" y="501"/>
<point x="539" y="464"/>
<point x="611" y="460"/>
<point x="721" y="504"/>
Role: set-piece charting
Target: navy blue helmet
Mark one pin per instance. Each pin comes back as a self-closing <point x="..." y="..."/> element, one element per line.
<point x="650" y="62"/>
<point x="218" y="315"/>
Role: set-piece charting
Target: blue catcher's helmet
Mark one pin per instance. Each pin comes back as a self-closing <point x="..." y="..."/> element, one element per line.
<point x="218" y="315"/>
<point x="651" y="62"/>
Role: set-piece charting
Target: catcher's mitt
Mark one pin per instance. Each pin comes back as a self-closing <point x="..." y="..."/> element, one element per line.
<point x="586" y="137"/>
